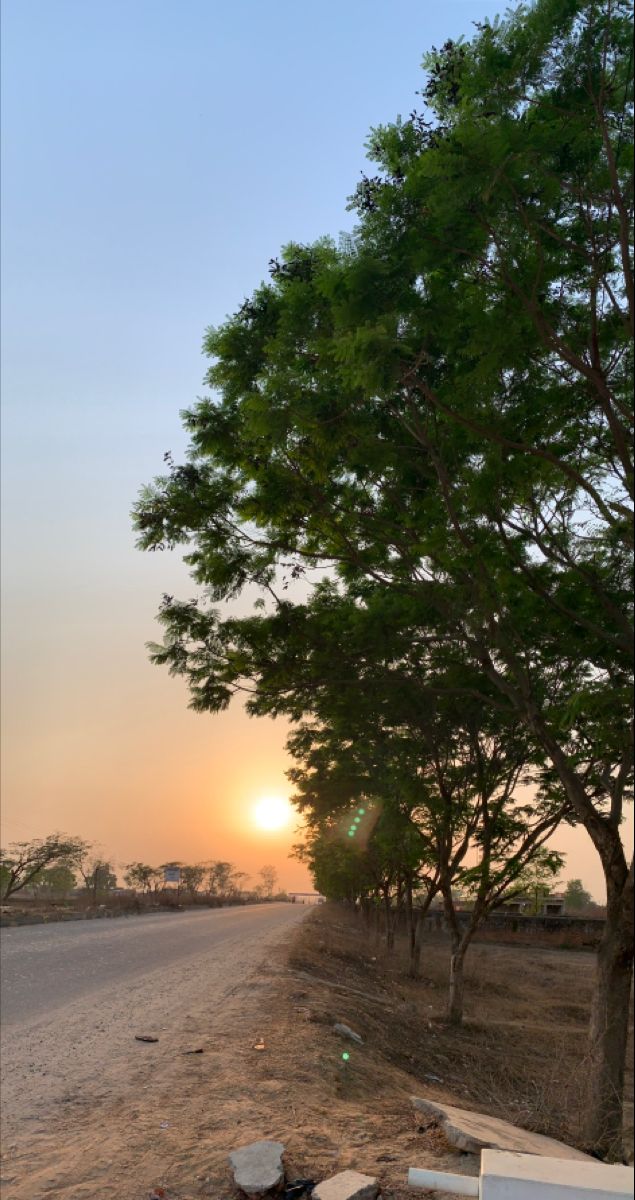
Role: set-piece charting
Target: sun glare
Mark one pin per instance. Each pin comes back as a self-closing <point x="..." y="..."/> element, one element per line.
<point x="272" y="812"/>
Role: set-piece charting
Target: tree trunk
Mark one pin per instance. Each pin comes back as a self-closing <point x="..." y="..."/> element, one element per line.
<point x="410" y="927"/>
<point x="455" y="996"/>
<point x="415" y="949"/>
<point x="389" y="927"/>
<point x="609" y="1030"/>
<point x="609" y="1022"/>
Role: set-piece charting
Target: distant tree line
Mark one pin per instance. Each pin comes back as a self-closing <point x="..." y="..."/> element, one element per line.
<point x="215" y="878"/>
<point x="54" y="867"/>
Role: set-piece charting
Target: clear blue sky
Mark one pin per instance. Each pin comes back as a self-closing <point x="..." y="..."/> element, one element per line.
<point x="156" y="154"/>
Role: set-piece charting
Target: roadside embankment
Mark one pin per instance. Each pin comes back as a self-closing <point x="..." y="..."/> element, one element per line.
<point x="248" y="1049"/>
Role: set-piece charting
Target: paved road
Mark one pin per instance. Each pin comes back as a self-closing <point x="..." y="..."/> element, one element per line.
<point x="44" y="968"/>
<point x="74" y="997"/>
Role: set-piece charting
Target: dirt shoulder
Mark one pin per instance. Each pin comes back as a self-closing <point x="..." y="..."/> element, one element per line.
<point x="170" y="1119"/>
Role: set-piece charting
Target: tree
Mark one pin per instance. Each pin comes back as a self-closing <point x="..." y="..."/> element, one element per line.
<point x="269" y="877"/>
<point x="576" y="896"/>
<point x="223" y="879"/>
<point x="192" y="878"/>
<point x="55" y="881"/>
<point x="98" y="876"/>
<point x="439" y="412"/>
<point x="140" y="876"/>
<point x="446" y="778"/>
<point x="338" y="869"/>
<point x="536" y="883"/>
<point x="24" y="861"/>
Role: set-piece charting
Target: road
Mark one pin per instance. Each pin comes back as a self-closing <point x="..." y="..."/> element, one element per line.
<point x="75" y="995"/>
<point x="44" y="968"/>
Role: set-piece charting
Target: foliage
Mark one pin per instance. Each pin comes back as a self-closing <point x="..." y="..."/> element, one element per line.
<point x="56" y="882"/>
<point x="576" y="896"/>
<point x="140" y="876"/>
<point x="436" y="417"/>
<point x="223" y="879"/>
<point x="192" y="878"/>
<point x="537" y="881"/>
<point x="98" y="876"/>
<point x="23" y="862"/>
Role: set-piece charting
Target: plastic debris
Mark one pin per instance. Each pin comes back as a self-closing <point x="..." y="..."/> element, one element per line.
<point x="345" y="1031"/>
<point x="259" y="1044"/>
<point x="298" y="1189"/>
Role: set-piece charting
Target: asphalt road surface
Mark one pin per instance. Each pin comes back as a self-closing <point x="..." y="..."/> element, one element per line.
<point x="75" y="995"/>
<point x="44" y="968"/>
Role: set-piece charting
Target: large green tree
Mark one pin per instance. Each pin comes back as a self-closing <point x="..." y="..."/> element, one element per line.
<point x="439" y="411"/>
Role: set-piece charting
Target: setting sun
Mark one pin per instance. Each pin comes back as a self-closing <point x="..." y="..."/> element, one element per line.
<point x="272" y="812"/>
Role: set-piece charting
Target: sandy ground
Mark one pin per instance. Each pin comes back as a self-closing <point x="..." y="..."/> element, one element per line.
<point x="90" y="1112"/>
<point x="99" y="1116"/>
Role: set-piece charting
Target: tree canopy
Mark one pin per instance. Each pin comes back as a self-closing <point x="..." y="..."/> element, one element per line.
<point x="26" y="863"/>
<point x="434" y="417"/>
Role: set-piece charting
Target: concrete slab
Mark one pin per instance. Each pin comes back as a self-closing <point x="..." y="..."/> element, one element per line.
<point x="347" y="1185"/>
<point x="507" y="1176"/>
<point x="473" y="1132"/>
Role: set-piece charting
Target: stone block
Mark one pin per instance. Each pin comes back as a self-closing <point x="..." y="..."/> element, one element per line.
<point x="258" y="1168"/>
<point x="473" y="1132"/>
<point x="347" y="1185"/>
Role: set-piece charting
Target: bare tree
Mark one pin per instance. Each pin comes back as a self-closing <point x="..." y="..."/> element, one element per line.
<point x="96" y="873"/>
<point x="269" y="877"/>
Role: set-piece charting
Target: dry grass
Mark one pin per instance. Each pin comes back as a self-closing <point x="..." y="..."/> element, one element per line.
<point x="551" y="939"/>
<point x="19" y="910"/>
<point x="520" y="1054"/>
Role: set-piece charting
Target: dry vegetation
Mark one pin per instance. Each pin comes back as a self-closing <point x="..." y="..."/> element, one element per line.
<point x="24" y="910"/>
<point x="519" y="1055"/>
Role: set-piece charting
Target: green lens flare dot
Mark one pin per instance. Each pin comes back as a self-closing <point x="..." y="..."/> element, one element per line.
<point x="356" y="820"/>
<point x="361" y="811"/>
<point x="346" y="1056"/>
<point x="351" y="833"/>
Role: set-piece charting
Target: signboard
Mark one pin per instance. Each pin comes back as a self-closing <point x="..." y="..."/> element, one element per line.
<point x="171" y="874"/>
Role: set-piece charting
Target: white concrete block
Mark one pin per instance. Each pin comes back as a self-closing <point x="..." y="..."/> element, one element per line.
<point x="509" y="1176"/>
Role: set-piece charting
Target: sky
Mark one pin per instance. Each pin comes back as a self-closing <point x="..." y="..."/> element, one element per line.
<point x="156" y="155"/>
